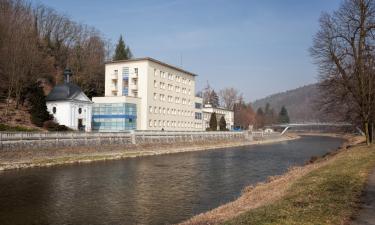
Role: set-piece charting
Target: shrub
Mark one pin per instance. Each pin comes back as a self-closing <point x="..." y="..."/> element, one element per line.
<point x="4" y="127"/>
<point x="213" y="122"/>
<point x="223" y="124"/>
<point x="51" y="125"/>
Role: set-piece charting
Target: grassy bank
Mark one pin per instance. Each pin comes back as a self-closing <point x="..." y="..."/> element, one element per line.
<point x="326" y="192"/>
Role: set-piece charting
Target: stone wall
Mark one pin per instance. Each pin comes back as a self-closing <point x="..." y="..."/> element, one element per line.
<point x="25" y="140"/>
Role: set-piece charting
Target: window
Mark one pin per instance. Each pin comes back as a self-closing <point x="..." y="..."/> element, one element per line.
<point x="150" y="123"/>
<point x="155" y="96"/>
<point x="198" y="116"/>
<point x="198" y="105"/>
<point x="79" y="110"/>
<point x="150" y="109"/>
<point x="54" y="110"/>
<point x="136" y="71"/>
<point x="155" y="84"/>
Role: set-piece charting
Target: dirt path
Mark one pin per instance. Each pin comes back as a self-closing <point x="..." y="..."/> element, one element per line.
<point x="366" y="215"/>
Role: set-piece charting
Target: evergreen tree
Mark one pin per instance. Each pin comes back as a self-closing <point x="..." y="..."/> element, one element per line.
<point x="122" y="51"/>
<point x="38" y="109"/>
<point x="214" y="99"/>
<point x="223" y="124"/>
<point x="259" y="117"/>
<point x="213" y="122"/>
<point x="269" y="115"/>
<point x="283" y="115"/>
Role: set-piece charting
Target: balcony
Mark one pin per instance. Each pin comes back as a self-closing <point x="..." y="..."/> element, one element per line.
<point x="114" y="87"/>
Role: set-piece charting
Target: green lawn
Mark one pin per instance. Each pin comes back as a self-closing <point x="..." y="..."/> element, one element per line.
<point x="328" y="195"/>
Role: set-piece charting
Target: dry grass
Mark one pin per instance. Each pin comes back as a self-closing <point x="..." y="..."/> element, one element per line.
<point x="265" y="194"/>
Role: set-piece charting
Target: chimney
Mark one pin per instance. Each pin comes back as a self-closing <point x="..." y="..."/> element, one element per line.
<point x="67" y="74"/>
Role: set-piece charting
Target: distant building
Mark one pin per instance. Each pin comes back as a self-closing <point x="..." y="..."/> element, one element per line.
<point x="70" y="106"/>
<point x="146" y="94"/>
<point x="208" y="109"/>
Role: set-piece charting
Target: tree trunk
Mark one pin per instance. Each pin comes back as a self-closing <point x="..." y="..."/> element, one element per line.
<point x="367" y="133"/>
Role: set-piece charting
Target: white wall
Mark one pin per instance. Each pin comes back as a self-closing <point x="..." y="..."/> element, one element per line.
<point x="67" y="113"/>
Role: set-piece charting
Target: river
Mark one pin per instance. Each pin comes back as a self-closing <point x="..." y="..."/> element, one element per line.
<point x="161" y="189"/>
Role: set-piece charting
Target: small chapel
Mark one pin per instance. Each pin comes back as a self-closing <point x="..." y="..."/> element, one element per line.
<point x="69" y="105"/>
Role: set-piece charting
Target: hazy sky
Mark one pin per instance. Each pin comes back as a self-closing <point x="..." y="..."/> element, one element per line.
<point x="257" y="46"/>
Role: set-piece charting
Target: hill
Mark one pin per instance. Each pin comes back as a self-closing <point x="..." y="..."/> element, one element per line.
<point x="300" y="103"/>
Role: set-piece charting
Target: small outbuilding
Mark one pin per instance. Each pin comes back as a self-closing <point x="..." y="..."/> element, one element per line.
<point x="69" y="105"/>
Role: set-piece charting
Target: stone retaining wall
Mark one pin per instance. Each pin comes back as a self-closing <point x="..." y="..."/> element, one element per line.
<point x="25" y="140"/>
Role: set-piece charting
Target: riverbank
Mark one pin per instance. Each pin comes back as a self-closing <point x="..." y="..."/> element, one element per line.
<point x="324" y="192"/>
<point x="20" y="159"/>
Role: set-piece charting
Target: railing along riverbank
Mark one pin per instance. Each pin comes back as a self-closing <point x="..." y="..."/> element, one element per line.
<point x="31" y="140"/>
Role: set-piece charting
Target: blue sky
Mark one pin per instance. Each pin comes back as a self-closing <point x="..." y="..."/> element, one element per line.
<point x="257" y="46"/>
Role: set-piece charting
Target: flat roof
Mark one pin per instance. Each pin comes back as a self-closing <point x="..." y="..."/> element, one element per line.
<point x="152" y="60"/>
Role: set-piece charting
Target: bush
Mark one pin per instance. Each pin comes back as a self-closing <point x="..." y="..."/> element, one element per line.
<point x="51" y="125"/>
<point x="213" y="122"/>
<point x="4" y="127"/>
<point x="223" y="124"/>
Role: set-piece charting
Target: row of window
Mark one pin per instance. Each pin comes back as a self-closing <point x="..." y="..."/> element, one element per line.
<point x="177" y="100"/>
<point x="170" y="111"/>
<point x="179" y="79"/>
<point x="54" y="110"/>
<point x="177" y="124"/>
<point x="114" y="124"/>
<point x="170" y="87"/>
<point x="114" y="109"/>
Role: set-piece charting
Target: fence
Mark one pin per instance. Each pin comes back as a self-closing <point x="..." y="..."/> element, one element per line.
<point x="28" y="140"/>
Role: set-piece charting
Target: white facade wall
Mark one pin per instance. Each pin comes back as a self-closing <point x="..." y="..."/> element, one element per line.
<point x="166" y="93"/>
<point x="67" y="113"/>
<point x="228" y="116"/>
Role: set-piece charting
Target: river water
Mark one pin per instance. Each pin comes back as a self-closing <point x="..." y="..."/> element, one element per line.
<point x="149" y="190"/>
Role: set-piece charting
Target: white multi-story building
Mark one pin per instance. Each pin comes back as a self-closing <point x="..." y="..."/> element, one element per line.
<point x="228" y="116"/>
<point x="146" y="94"/>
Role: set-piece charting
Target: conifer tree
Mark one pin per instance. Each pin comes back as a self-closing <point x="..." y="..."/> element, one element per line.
<point x="213" y="122"/>
<point x="283" y="115"/>
<point x="223" y="124"/>
<point x="38" y="109"/>
<point x="122" y="51"/>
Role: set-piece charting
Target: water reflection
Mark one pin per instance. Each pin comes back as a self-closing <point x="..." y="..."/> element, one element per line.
<point x="150" y="190"/>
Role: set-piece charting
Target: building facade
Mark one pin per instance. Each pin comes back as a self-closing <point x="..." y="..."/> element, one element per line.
<point x="161" y="96"/>
<point x="228" y="116"/>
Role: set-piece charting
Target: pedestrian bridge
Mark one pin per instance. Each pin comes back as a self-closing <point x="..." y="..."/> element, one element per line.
<point x="287" y="126"/>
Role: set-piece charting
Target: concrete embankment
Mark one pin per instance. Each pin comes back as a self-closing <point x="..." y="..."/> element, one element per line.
<point x="27" y="158"/>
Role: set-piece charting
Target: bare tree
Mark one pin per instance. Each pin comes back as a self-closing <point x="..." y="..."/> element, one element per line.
<point x="228" y="97"/>
<point x="344" y="50"/>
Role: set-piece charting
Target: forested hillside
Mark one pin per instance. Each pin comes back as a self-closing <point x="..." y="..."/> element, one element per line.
<point x="38" y="42"/>
<point x="301" y="103"/>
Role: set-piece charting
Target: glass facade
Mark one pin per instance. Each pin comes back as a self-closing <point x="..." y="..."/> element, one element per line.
<point x="114" y="116"/>
<point x="125" y="81"/>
